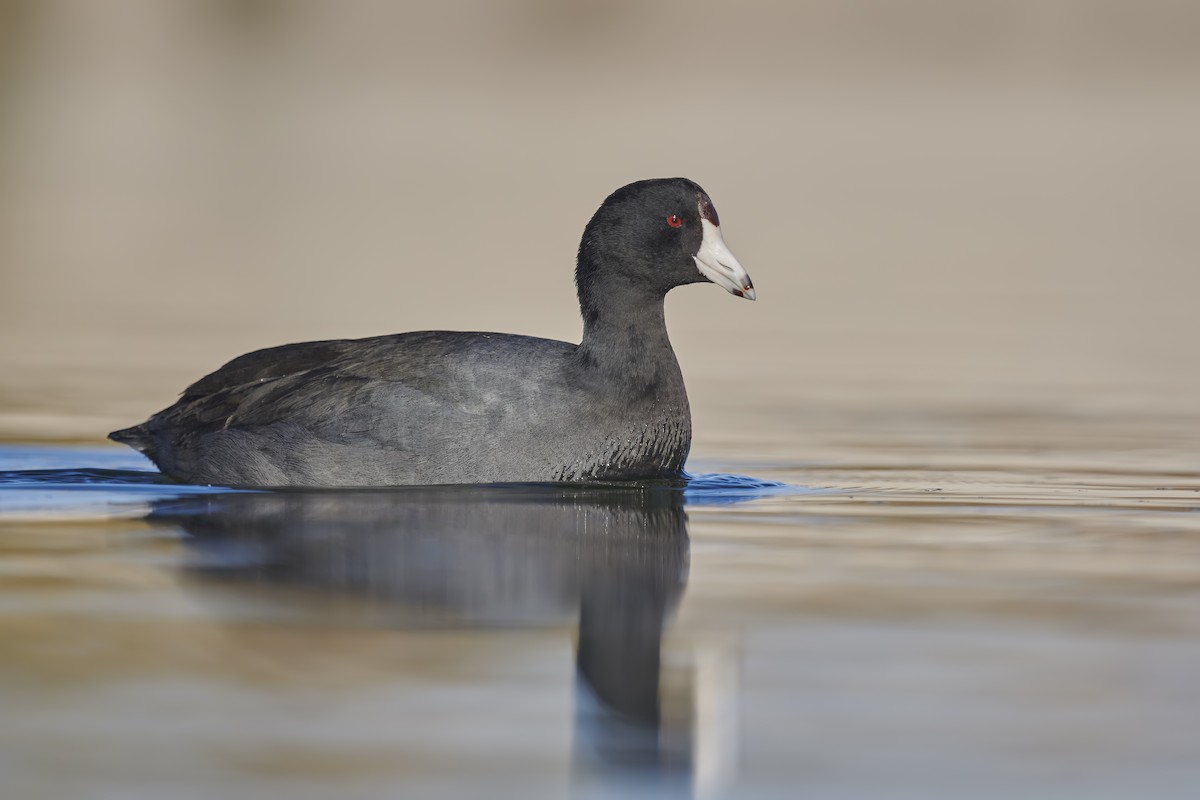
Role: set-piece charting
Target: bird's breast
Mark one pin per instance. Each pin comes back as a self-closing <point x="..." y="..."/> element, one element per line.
<point x="652" y="448"/>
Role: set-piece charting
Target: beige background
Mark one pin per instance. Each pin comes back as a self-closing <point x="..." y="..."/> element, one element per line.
<point x="944" y="205"/>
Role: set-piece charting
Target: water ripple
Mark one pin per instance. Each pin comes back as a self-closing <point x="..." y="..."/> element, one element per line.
<point x="723" y="489"/>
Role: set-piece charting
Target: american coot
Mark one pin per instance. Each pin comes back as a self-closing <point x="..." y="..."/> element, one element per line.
<point x="436" y="407"/>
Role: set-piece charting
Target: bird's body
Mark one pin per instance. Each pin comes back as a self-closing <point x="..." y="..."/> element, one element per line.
<point x="438" y="407"/>
<point x="420" y="408"/>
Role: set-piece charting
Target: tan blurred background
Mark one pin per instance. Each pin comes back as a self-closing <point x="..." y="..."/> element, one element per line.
<point x="944" y="205"/>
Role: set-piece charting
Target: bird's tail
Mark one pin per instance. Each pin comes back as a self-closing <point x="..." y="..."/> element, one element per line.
<point x="138" y="437"/>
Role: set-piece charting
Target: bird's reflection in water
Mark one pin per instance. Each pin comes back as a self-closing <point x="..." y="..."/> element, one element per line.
<point x="615" y="559"/>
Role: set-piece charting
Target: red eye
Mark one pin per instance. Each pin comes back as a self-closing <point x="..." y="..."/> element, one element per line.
<point x="674" y="221"/>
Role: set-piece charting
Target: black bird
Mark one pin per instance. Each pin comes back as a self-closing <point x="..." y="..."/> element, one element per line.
<point x="439" y="407"/>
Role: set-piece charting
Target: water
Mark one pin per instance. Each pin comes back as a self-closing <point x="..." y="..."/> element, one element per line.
<point x="829" y="629"/>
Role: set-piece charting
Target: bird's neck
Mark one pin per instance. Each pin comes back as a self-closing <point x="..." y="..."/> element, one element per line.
<point x="625" y="339"/>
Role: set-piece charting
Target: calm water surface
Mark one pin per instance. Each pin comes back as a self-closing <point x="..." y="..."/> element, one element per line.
<point x="990" y="607"/>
